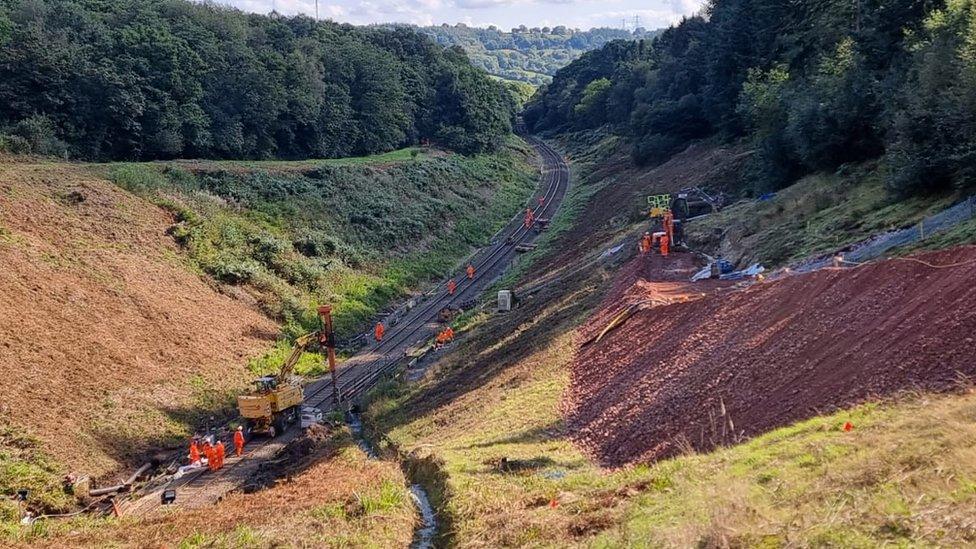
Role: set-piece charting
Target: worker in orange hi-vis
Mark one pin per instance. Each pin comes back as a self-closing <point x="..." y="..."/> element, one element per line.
<point x="646" y="243"/>
<point x="208" y="452"/>
<point x="220" y="452"/>
<point x="665" y="245"/>
<point x="379" y="331"/>
<point x="669" y="223"/>
<point x="239" y="441"/>
<point x="529" y="218"/>
<point x="470" y="271"/>
<point x="194" y="451"/>
<point x="451" y="286"/>
<point x="449" y="334"/>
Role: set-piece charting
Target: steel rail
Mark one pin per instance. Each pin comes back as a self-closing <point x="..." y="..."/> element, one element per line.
<point x="555" y="178"/>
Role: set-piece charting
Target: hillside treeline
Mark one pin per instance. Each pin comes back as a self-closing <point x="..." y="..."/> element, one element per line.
<point x="812" y="85"/>
<point x="530" y="55"/>
<point x="156" y="79"/>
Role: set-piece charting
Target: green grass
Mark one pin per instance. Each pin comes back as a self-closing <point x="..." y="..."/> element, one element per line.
<point x="389" y="497"/>
<point x="242" y="536"/>
<point x="406" y="155"/>
<point x="356" y="233"/>
<point x="23" y="466"/>
<point x="400" y="155"/>
<point x="818" y="214"/>
<point x="310" y="364"/>
<point x="964" y="233"/>
<point x="903" y="476"/>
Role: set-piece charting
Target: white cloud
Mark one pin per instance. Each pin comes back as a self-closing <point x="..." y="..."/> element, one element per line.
<point x="504" y="13"/>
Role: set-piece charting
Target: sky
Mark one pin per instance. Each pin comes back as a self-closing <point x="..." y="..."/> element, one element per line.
<point x="504" y="14"/>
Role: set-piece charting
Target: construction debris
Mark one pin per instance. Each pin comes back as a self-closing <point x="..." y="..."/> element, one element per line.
<point x="715" y="269"/>
<point x="874" y="331"/>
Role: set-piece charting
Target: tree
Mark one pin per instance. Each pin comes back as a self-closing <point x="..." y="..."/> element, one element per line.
<point x="136" y="79"/>
<point x="592" y="107"/>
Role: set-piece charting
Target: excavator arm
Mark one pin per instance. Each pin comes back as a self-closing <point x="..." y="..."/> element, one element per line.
<point x="325" y="337"/>
<point x="301" y="344"/>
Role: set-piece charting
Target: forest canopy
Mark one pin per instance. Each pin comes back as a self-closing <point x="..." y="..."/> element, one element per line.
<point x="525" y="54"/>
<point x="810" y="85"/>
<point x="159" y="79"/>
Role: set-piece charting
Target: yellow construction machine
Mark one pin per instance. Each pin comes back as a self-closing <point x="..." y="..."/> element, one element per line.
<point x="276" y="401"/>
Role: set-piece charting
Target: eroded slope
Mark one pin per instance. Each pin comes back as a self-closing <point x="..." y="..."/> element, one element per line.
<point x="108" y="342"/>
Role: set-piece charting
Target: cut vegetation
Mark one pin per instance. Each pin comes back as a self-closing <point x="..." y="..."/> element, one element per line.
<point x="491" y="414"/>
<point x="137" y="309"/>
<point x="333" y="497"/>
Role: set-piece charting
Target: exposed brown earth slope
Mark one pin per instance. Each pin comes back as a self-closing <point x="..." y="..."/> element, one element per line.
<point x="108" y="342"/>
<point x="772" y="354"/>
<point x="618" y="193"/>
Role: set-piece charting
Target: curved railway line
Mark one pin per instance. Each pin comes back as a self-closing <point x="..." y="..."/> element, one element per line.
<point x="362" y="371"/>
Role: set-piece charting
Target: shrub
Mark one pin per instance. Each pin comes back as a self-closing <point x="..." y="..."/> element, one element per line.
<point x="40" y="133"/>
<point x="14" y="144"/>
<point x="655" y="149"/>
<point x="233" y="270"/>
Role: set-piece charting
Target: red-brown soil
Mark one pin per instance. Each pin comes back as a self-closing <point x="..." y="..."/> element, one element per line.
<point x="772" y="354"/>
<point x="622" y="200"/>
<point x="108" y="340"/>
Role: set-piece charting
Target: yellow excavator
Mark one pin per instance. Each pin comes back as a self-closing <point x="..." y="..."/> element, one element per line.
<point x="276" y="401"/>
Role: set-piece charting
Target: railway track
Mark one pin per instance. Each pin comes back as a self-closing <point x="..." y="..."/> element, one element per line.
<point x="361" y="372"/>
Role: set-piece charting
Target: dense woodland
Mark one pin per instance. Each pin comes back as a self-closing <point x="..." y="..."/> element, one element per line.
<point x="811" y="85"/>
<point x="156" y="79"/>
<point x="524" y="54"/>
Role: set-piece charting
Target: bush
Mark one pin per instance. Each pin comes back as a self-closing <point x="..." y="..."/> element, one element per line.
<point x="40" y="134"/>
<point x="655" y="149"/>
<point x="14" y="144"/>
<point x="233" y="270"/>
<point x="138" y="178"/>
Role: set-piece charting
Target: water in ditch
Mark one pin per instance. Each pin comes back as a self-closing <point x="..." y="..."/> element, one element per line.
<point x="424" y="535"/>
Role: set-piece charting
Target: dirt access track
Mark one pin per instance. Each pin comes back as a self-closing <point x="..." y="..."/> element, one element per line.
<point x="770" y="354"/>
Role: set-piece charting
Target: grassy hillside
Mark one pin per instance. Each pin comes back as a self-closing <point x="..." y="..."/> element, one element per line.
<point x="527" y="55"/>
<point x="147" y="295"/>
<point x="111" y="345"/>
<point x="353" y="232"/>
<point x="902" y="476"/>
<point x="819" y="214"/>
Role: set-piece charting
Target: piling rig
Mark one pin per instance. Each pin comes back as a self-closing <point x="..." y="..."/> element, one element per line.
<point x="276" y="400"/>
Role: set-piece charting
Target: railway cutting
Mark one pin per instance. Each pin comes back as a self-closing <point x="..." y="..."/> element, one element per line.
<point x="416" y="323"/>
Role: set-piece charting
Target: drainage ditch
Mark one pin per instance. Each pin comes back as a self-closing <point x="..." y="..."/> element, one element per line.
<point x="425" y="533"/>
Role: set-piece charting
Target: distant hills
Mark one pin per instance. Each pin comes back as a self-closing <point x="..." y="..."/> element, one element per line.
<point x="524" y="54"/>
